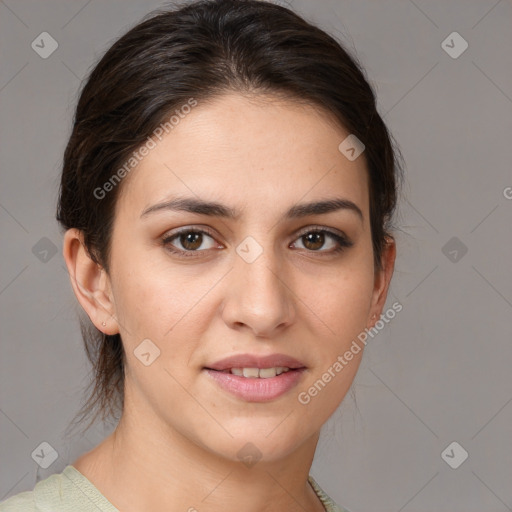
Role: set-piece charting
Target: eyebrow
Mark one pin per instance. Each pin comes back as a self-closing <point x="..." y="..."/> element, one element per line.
<point x="215" y="209"/>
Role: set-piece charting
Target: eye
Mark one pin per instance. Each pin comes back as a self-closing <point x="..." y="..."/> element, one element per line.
<point x="316" y="238"/>
<point x="188" y="241"/>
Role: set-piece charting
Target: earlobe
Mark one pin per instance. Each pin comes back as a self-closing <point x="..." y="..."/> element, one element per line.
<point x="90" y="283"/>
<point x="382" y="280"/>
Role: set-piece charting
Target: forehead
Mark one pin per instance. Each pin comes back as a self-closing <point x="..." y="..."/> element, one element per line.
<point x="260" y="151"/>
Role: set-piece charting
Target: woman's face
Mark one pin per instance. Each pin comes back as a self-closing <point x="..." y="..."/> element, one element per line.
<point x="260" y="283"/>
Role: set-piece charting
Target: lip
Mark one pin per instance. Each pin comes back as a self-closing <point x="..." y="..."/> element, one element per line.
<point x="254" y="361"/>
<point x="256" y="389"/>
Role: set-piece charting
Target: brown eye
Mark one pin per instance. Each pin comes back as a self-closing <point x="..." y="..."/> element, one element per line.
<point x="189" y="241"/>
<point x="316" y="239"/>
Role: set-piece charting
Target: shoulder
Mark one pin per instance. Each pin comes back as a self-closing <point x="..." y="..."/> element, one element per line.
<point x="329" y="504"/>
<point x="46" y="495"/>
<point x="22" y="502"/>
<point x="66" y="491"/>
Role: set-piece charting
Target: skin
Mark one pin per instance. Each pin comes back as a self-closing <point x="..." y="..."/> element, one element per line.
<point x="177" y="441"/>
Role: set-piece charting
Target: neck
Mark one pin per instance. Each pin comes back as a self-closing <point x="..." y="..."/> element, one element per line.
<point x="147" y="468"/>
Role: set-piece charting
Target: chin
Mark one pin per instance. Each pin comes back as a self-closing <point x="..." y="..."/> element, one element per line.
<point x="265" y="440"/>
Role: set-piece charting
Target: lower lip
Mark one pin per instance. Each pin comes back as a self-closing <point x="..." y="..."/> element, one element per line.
<point x="257" y="389"/>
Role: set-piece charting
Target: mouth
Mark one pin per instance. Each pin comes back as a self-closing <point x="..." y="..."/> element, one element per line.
<point x="256" y="379"/>
<point x="257" y="373"/>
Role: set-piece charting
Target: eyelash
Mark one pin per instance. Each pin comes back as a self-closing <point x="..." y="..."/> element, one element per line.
<point x="343" y="242"/>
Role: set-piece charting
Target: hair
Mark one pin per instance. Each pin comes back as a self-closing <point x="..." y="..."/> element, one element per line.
<point x="202" y="50"/>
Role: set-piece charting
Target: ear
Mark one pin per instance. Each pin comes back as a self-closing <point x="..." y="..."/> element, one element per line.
<point x="382" y="280"/>
<point x="90" y="283"/>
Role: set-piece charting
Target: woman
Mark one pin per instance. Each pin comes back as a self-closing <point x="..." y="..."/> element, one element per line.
<point x="227" y="195"/>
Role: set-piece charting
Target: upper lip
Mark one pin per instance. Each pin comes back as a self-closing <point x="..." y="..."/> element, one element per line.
<point x="254" y="361"/>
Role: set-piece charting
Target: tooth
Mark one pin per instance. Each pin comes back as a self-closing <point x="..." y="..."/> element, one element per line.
<point x="237" y="371"/>
<point x="251" y="372"/>
<point x="266" y="373"/>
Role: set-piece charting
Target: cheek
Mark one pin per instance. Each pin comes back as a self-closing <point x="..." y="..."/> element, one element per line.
<point x="341" y="304"/>
<point x="347" y="305"/>
<point x="163" y="304"/>
<point x="145" y="294"/>
<point x="341" y="299"/>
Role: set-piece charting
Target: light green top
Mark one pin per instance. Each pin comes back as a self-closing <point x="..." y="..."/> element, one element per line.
<point x="71" y="491"/>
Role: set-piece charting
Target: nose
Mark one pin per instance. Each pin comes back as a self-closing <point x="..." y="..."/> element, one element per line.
<point x="258" y="296"/>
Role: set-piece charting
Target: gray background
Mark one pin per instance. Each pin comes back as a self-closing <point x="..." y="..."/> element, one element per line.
<point x="438" y="373"/>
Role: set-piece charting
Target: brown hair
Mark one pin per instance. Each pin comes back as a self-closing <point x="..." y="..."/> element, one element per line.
<point x="201" y="50"/>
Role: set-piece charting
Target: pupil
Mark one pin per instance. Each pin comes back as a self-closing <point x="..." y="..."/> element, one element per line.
<point x="316" y="239"/>
<point x="191" y="240"/>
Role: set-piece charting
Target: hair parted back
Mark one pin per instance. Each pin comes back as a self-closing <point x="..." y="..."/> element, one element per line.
<point x="201" y="50"/>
